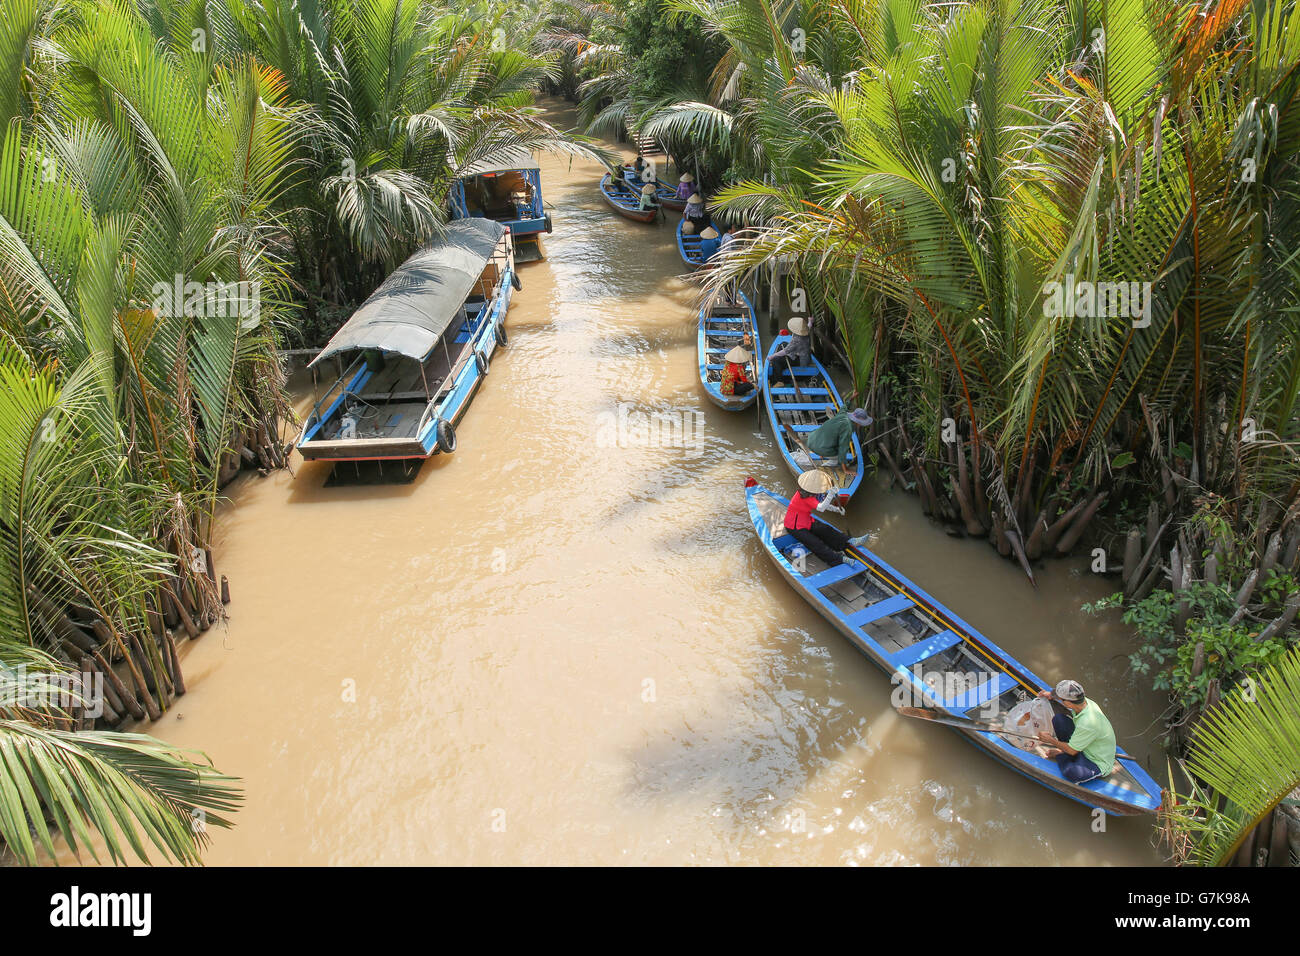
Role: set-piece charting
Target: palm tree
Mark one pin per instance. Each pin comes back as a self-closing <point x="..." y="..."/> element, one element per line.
<point x="1244" y="760"/>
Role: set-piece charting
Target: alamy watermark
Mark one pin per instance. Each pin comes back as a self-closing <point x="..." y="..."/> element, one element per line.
<point x="1086" y="299"/>
<point x="52" y="690"/>
<point x="627" y="426"/>
<point x="209" y="300"/>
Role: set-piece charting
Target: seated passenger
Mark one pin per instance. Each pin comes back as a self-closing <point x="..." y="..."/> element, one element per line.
<point x="734" y="381"/>
<point x="709" y="243"/>
<point x="1082" y="741"/>
<point x="822" y="539"/>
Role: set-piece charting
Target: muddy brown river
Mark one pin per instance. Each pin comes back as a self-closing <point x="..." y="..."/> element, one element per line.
<point x="564" y="645"/>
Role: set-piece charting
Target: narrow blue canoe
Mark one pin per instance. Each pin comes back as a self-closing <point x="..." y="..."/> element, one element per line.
<point x="625" y="201"/>
<point x="938" y="659"/>
<point x="689" y="247"/>
<point x="664" y="194"/>
<point x="804" y="398"/>
<point x="413" y="356"/>
<point x="722" y="327"/>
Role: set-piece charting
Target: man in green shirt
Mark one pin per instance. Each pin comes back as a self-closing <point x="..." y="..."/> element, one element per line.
<point x="833" y="440"/>
<point x="1083" y="740"/>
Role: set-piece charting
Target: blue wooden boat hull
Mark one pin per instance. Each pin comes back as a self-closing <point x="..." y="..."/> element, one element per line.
<point x="665" y="195"/>
<point x="896" y="605"/>
<point x="532" y="220"/>
<point x="710" y="356"/>
<point x="689" y="248"/>
<point x="788" y="412"/>
<point x="619" y="195"/>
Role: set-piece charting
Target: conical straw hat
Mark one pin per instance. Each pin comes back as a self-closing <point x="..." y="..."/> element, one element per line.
<point x="709" y="233"/>
<point x="647" y="189"/>
<point x="798" y="326"/>
<point x="814" y="482"/>
<point x="696" y="198"/>
<point x="688" y="228"/>
<point x="738" y="355"/>
<point x="686" y="178"/>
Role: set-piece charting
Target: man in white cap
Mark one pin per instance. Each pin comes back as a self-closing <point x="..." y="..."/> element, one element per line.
<point x="822" y="539"/>
<point x="797" y="352"/>
<point x="1082" y="739"/>
<point x="832" y="441"/>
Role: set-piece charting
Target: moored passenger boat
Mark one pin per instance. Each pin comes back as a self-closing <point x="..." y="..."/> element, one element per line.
<point x="508" y="191"/>
<point x="414" y="354"/>
<point x="722" y="327"/>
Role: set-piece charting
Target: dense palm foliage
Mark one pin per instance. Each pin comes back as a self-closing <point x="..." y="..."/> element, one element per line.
<point x="175" y="179"/>
<point x="1246" y="756"/>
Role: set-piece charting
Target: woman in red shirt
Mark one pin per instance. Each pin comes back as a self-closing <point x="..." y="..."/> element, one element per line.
<point x="824" y="540"/>
<point x="734" y="381"/>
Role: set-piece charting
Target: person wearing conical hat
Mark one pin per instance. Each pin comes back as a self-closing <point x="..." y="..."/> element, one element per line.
<point x="796" y="353"/>
<point x="696" y="214"/>
<point x="734" y="381"/>
<point x="648" y="200"/>
<point x="824" y="540"/>
<point x="832" y="441"/>
<point x="685" y="186"/>
<point x="709" y="243"/>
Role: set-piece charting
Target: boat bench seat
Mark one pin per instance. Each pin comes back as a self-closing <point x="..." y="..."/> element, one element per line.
<point x="824" y="579"/>
<point x="726" y="332"/>
<point x="894" y="604"/>
<point x="989" y="690"/>
<point x="804" y="391"/>
<point x="924" y="650"/>
<point x="800" y="406"/>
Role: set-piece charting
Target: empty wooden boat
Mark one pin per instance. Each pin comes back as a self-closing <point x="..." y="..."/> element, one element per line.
<point x="722" y="327"/>
<point x="665" y="195"/>
<point x="625" y="200"/>
<point x="804" y="398"/>
<point x="413" y="355"/>
<point x="508" y="190"/>
<point x="689" y="247"/>
<point x="937" y="659"/>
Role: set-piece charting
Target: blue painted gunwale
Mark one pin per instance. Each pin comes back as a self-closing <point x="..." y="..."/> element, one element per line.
<point x="830" y="396"/>
<point x="730" y="403"/>
<point x="1113" y="799"/>
<point x="620" y="195"/>
<point x="689" y="248"/>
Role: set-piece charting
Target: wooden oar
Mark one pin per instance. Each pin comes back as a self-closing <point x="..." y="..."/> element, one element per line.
<point x="965" y="723"/>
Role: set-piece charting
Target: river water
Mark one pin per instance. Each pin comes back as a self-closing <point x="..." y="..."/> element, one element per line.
<point x="564" y="645"/>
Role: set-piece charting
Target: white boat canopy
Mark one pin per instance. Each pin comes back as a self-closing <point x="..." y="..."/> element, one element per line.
<point x="414" y="306"/>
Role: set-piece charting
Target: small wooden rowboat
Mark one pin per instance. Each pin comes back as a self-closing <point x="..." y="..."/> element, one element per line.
<point x="722" y="328"/>
<point x="689" y="247"/>
<point x="804" y="398"/>
<point x="625" y="201"/>
<point x="940" y="660"/>
<point x="665" y="195"/>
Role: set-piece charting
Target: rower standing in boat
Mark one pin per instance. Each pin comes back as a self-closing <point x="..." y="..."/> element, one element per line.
<point x="822" y="539"/>
<point x="685" y="186"/>
<point x="734" y="381"/>
<point x="796" y="352"/>
<point x="695" y="214"/>
<point x="1083" y="740"/>
<point x="832" y="441"/>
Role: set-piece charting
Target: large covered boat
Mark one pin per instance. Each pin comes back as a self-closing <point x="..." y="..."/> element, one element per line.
<point x="414" y="354"/>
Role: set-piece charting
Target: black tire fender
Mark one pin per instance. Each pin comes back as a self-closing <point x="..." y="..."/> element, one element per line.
<point x="481" y="362"/>
<point x="516" y="282"/>
<point x="446" y="437"/>
<point x="502" y="338"/>
<point x="548" y="223"/>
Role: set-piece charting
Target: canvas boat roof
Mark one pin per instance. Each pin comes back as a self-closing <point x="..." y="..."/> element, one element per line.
<point x="502" y="161"/>
<point x="415" y="305"/>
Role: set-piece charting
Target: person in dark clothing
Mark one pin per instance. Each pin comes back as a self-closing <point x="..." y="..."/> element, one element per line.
<point x="797" y="352"/>
<point x="825" y="541"/>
